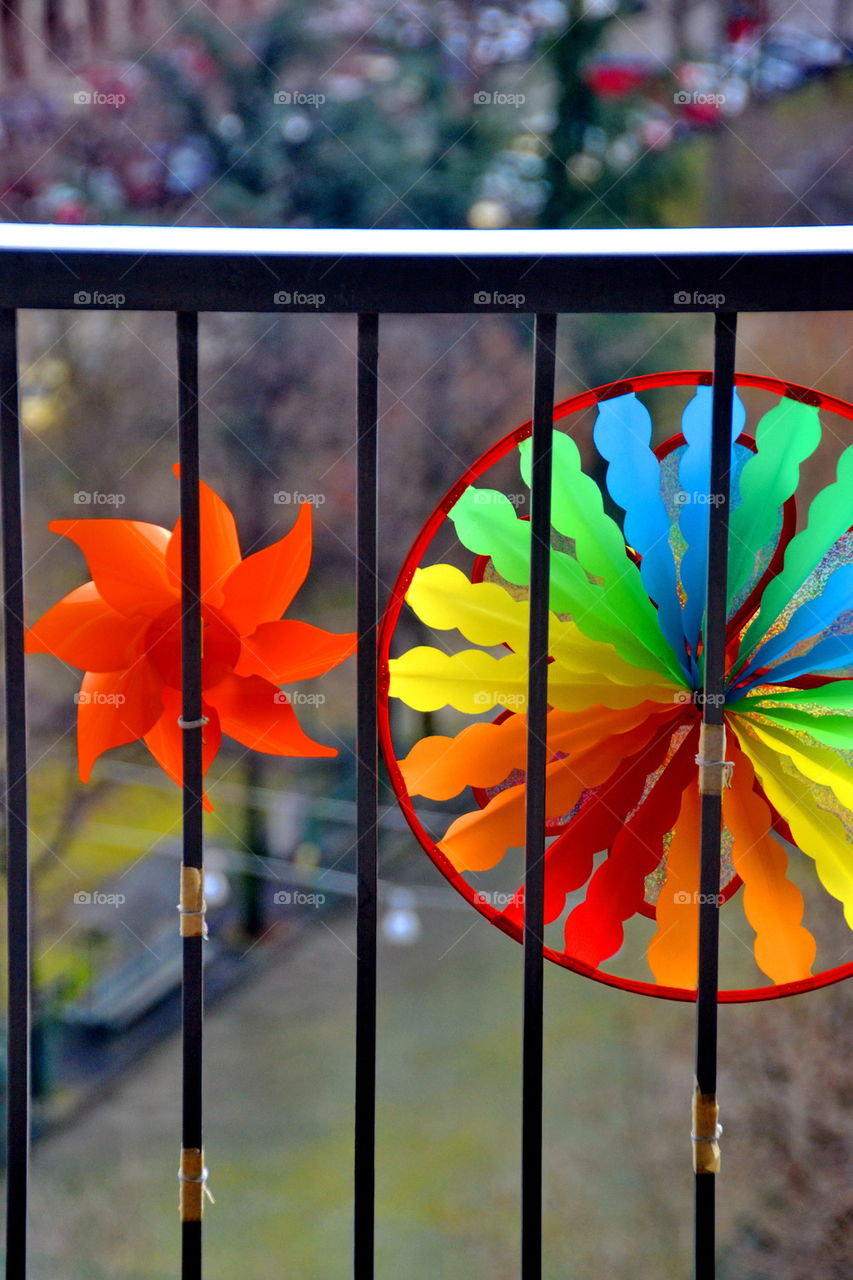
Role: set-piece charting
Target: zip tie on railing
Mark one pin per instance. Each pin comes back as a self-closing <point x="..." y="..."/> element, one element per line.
<point x="192" y="1176"/>
<point x="715" y="771"/>
<point x="192" y="905"/>
<point x="706" y="1132"/>
<point x="193" y="724"/>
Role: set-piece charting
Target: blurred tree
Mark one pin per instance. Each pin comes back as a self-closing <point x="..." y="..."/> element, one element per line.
<point x="610" y="162"/>
<point x="398" y="152"/>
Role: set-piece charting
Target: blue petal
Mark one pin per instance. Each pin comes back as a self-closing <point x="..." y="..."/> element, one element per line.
<point x="695" y="475"/>
<point x="813" y="617"/>
<point x="622" y="435"/>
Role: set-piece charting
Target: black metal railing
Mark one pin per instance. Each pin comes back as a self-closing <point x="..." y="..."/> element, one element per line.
<point x="188" y="271"/>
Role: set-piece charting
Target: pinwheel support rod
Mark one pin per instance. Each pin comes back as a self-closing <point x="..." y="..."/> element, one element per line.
<point x="535" y="818"/>
<point x="367" y="772"/>
<point x="15" y="804"/>
<point x="705" y="1163"/>
<point x="192" y="1149"/>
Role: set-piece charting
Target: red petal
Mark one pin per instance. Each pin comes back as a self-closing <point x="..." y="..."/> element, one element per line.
<point x="254" y="712"/>
<point x="220" y="546"/>
<point x="569" y="860"/>
<point x="287" y="651"/>
<point x="263" y="585"/>
<point x="594" y="929"/>
<point x="165" y="740"/>
<point x="113" y="708"/>
<point x="127" y="561"/>
<point x="83" y="630"/>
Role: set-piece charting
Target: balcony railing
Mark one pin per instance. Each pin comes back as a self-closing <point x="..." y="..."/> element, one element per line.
<point x="368" y="274"/>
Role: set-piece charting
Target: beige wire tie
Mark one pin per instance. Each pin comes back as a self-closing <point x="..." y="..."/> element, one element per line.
<point x="706" y="1132"/>
<point x="715" y="771"/>
<point x="192" y="905"/>
<point x="193" y="724"/>
<point x="192" y="1176"/>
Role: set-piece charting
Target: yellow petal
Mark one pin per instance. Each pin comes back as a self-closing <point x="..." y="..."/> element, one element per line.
<point x="818" y="833"/>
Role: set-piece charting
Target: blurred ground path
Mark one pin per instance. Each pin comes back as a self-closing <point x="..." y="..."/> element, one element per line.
<point x="279" y="1107"/>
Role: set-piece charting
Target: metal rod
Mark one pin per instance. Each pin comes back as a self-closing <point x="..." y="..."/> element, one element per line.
<point x="725" y="327"/>
<point x="19" y="1003"/>
<point x="367" y="752"/>
<point x="534" y="867"/>
<point x="191" y="712"/>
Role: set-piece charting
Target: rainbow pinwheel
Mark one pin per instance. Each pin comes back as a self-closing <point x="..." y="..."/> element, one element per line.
<point x="124" y="629"/>
<point x="627" y="598"/>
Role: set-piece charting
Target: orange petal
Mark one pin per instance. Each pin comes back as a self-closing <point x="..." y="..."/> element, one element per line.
<point x="287" y="651"/>
<point x="165" y="740"/>
<point x="113" y="708"/>
<point x="478" y="840"/>
<point x="263" y="585"/>
<point x="220" y="546"/>
<point x="254" y="712"/>
<point x="673" y="952"/>
<point x="127" y="561"/>
<point x="82" y="629"/>
<point x="773" y="905"/>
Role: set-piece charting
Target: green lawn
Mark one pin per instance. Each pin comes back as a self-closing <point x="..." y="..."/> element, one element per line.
<point x="279" y="1104"/>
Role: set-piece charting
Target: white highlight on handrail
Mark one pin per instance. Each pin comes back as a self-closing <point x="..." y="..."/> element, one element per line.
<point x="646" y="242"/>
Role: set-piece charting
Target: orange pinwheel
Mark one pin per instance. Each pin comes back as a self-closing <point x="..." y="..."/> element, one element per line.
<point x="123" y="628"/>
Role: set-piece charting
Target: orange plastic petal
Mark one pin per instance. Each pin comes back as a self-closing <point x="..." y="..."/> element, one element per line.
<point x="476" y="841"/>
<point x="482" y="755"/>
<point x="254" y="712"/>
<point x="113" y="708"/>
<point x="263" y="585"/>
<point x="165" y="740"/>
<point x="673" y="952"/>
<point x="286" y="651"/>
<point x="784" y="950"/>
<point x="85" y="631"/>
<point x="598" y="822"/>
<point x="127" y="561"/>
<point x="220" y="546"/>
<point x="595" y="928"/>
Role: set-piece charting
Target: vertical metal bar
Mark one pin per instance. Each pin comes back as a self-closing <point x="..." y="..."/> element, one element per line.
<point x="534" y="867"/>
<point x="725" y="329"/>
<point x="15" y="804"/>
<point x="367" y="750"/>
<point x="191" y="723"/>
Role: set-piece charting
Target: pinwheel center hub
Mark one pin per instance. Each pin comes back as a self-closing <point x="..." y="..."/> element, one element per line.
<point x="220" y="646"/>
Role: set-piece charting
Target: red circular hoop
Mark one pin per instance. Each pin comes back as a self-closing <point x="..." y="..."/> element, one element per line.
<point x="390" y="617"/>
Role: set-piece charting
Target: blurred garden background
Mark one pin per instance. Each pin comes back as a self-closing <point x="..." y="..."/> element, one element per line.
<point x="419" y="114"/>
